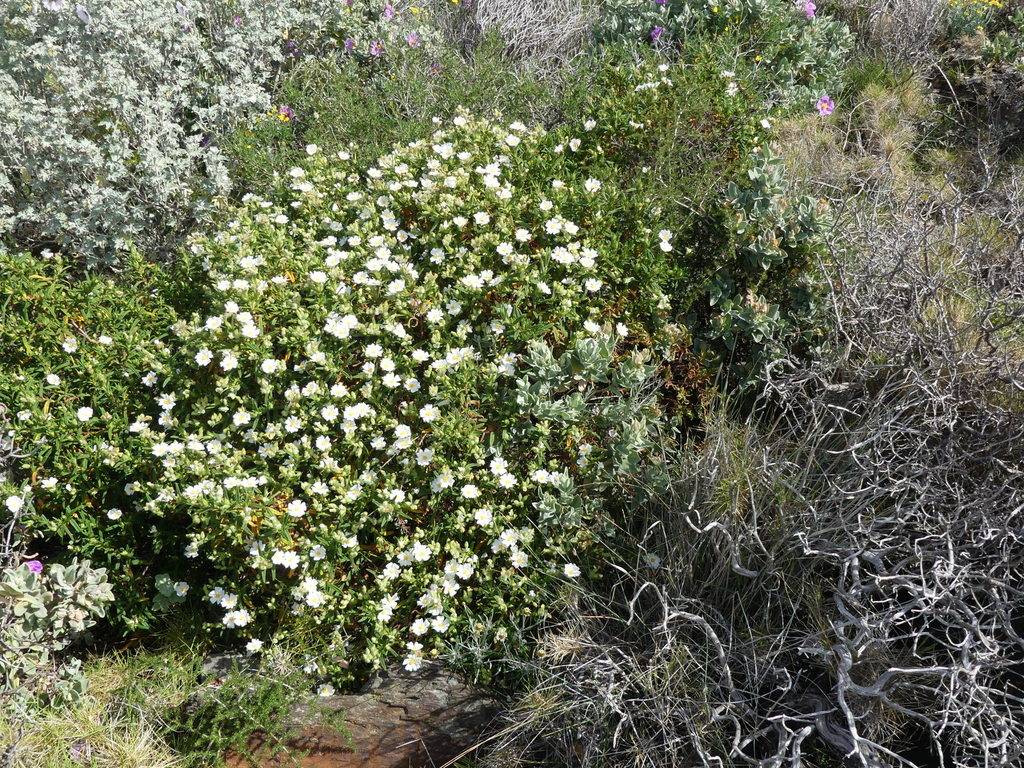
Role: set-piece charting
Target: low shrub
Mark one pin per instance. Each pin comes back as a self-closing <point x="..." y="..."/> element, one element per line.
<point x="43" y="609"/>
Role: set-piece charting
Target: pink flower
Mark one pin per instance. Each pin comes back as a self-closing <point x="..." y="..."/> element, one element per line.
<point x="808" y="8"/>
<point x="825" y="106"/>
<point x="412" y="39"/>
<point x="376" y="48"/>
<point x="35" y="566"/>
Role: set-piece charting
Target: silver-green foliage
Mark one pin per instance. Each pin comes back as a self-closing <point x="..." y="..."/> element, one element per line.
<point x="112" y="113"/>
<point x="40" y="615"/>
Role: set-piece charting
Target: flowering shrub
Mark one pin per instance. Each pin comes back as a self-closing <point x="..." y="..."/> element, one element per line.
<point x="371" y="29"/>
<point x="73" y="352"/>
<point x="114" y="111"/>
<point x="797" y="55"/>
<point x="407" y="388"/>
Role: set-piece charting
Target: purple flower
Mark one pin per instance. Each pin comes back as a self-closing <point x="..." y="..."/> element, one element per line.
<point x="291" y="48"/>
<point x="237" y="21"/>
<point x="376" y="48"/>
<point x="412" y="39"/>
<point x="656" y="34"/>
<point x="350" y="45"/>
<point x="660" y="2"/>
<point x="83" y="14"/>
<point x="285" y="113"/>
<point x="808" y="8"/>
<point x="389" y="11"/>
<point x="35" y="566"/>
<point x="825" y="106"/>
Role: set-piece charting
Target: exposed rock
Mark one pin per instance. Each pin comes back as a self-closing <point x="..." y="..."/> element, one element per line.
<point x="400" y="720"/>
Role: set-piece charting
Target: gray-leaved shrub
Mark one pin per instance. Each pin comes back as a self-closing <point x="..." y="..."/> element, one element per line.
<point x="41" y="612"/>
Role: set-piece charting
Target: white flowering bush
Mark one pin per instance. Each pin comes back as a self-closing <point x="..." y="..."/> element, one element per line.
<point x="794" y="54"/>
<point x="407" y="389"/>
<point x="115" y="111"/>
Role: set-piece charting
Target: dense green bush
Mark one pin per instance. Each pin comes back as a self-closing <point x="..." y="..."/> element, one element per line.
<point x="76" y="355"/>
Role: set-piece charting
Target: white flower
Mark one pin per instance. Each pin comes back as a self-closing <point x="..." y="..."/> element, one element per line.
<point x="105" y="340"/>
<point x="571" y="570"/>
<point x="387" y="608"/>
<point x="420" y="552"/>
<point x="204" y="356"/>
<point x="70" y="344"/>
<point x="470" y="491"/>
<point x="541" y="476"/>
<point x="414" y="661"/>
<point x="591" y="185"/>
<point x="317" y="553"/>
<point x="429" y="413"/>
<point x="285" y="558"/>
<point x="512" y="140"/>
<point x="254" y="645"/>
<point x="420" y="627"/>
<point x="84" y="413"/>
<point x="593" y="285"/>
<point x="296" y="508"/>
<point x="482" y="218"/>
<point x="325" y="690"/>
<point x="14" y="504"/>
<point x="239" y="618"/>
<point x="228" y="361"/>
<point x="167" y="401"/>
<point x="114" y="514"/>
<point x="181" y="588"/>
<point x="53" y="379"/>
<point x="519" y="558"/>
<point x="483" y="516"/>
<point x="665" y="240"/>
<point x="440" y="624"/>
